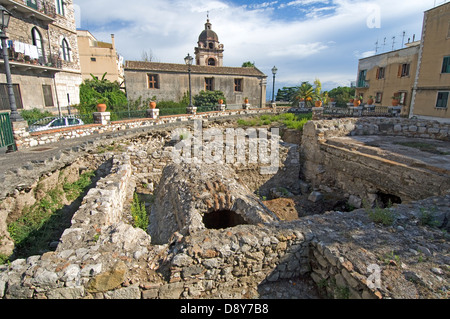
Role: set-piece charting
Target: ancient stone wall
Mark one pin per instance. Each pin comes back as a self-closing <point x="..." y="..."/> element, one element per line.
<point x="25" y="139"/>
<point x="103" y="256"/>
<point x="363" y="175"/>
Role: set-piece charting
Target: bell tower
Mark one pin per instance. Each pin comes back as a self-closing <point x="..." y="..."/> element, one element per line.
<point x="209" y="51"/>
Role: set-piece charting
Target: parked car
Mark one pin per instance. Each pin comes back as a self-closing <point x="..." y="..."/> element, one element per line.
<point x="50" y="123"/>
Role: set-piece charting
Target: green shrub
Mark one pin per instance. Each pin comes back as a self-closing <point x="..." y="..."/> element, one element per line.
<point x="139" y="213"/>
<point x="34" y="115"/>
<point x="382" y="216"/>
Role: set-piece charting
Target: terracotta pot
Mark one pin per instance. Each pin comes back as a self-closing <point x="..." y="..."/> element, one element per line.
<point x="152" y="104"/>
<point x="395" y="102"/>
<point x="318" y="103"/>
<point x="351" y="101"/>
<point x="332" y="99"/>
<point x="246" y="101"/>
<point x="357" y="103"/>
<point x="220" y="101"/>
<point x="370" y="101"/>
<point x="101" y="107"/>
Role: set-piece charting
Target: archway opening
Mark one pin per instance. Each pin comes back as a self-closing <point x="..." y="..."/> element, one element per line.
<point x="222" y="219"/>
<point x="387" y="200"/>
<point x="211" y="62"/>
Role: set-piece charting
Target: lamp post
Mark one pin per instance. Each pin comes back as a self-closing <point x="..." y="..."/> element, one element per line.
<point x="189" y="60"/>
<point x="274" y="72"/>
<point x="5" y="16"/>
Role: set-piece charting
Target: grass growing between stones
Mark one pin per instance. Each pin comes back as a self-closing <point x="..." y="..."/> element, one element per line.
<point x="43" y="222"/>
<point x="290" y="120"/>
<point x="139" y="213"/>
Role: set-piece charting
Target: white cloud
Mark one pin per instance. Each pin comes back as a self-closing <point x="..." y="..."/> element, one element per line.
<point x="320" y="40"/>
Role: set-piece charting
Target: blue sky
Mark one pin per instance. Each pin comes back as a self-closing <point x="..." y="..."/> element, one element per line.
<point x="305" y="39"/>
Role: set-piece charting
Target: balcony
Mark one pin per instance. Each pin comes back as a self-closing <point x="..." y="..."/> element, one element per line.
<point x="35" y="62"/>
<point x="39" y="9"/>
<point x="362" y="84"/>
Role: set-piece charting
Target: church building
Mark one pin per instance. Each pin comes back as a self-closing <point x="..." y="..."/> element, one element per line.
<point x="169" y="81"/>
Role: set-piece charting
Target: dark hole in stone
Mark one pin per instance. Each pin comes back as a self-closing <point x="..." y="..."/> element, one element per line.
<point x="222" y="219"/>
<point x="387" y="200"/>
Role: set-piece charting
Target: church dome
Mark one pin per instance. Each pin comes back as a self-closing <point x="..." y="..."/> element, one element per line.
<point x="208" y="34"/>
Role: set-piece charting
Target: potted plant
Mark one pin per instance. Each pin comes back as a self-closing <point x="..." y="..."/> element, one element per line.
<point x="318" y="103"/>
<point x="27" y="59"/>
<point x="220" y="101"/>
<point x="101" y="104"/>
<point x="370" y="100"/>
<point x="395" y="101"/>
<point x="153" y="105"/>
<point x="246" y="100"/>
<point x="357" y="101"/>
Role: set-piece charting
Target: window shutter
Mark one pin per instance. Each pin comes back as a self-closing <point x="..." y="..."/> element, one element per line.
<point x="400" y="71"/>
<point x="378" y="73"/>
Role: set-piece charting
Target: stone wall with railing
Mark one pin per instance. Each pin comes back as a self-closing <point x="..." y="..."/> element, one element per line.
<point x="25" y="139"/>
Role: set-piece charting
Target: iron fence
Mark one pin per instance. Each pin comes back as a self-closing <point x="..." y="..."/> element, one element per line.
<point x="362" y="111"/>
<point x="6" y="132"/>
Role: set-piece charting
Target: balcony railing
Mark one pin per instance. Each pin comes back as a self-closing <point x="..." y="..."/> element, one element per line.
<point x="36" y="59"/>
<point x="40" y="9"/>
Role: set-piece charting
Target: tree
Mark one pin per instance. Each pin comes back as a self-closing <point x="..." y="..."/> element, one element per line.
<point x="248" y="64"/>
<point x="208" y="98"/>
<point x="342" y="95"/>
<point x="287" y="93"/>
<point x="306" y="93"/>
<point x="92" y="91"/>
<point x="148" y="56"/>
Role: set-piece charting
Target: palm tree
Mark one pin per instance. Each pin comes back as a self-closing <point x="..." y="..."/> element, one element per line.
<point x="305" y="93"/>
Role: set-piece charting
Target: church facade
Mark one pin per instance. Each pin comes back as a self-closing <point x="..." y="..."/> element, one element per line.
<point x="169" y="81"/>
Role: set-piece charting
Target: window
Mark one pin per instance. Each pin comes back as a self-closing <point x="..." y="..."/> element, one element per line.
<point x="362" y="79"/>
<point x="4" y="97"/>
<point x="65" y="50"/>
<point x="378" y="97"/>
<point x="93" y="59"/>
<point x="209" y="84"/>
<point x="401" y="97"/>
<point x="32" y="4"/>
<point x="442" y="100"/>
<point x="59" y="5"/>
<point x="403" y="70"/>
<point x="37" y="41"/>
<point x="73" y="121"/>
<point x="48" y="96"/>
<point x="153" y="81"/>
<point x="446" y="65"/>
<point x="211" y="62"/>
<point x="380" y="73"/>
<point x="58" y="122"/>
<point x="237" y="85"/>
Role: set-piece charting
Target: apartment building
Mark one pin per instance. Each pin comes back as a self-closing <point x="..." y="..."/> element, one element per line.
<point x="389" y="75"/>
<point x="418" y="76"/>
<point x="98" y="58"/>
<point x="43" y="54"/>
<point x="431" y="96"/>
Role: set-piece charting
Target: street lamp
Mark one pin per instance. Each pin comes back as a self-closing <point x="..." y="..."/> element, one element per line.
<point x="189" y="60"/>
<point x="5" y="16"/>
<point x="274" y="72"/>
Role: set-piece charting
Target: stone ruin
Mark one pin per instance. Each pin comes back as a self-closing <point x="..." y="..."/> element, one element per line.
<point x="193" y="197"/>
<point x="212" y="237"/>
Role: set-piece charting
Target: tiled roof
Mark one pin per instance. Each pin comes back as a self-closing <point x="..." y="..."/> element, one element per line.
<point x="195" y="69"/>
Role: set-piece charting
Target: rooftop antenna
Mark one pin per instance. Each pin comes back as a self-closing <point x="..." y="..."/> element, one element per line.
<point x="393" y="43"/>
<point x="376" y="47"/>
<point x="384" y="44"/>
<point x="403" y="39"/>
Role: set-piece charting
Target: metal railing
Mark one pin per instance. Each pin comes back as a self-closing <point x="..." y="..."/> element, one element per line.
<point x="6" y="132"/>
<point x="364" y="110"/>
